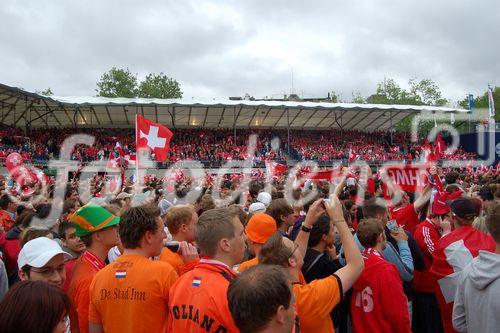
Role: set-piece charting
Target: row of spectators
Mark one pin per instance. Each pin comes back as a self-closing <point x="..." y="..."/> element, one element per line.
<point x="336" y="263"/>
<point x="221" y="145"/>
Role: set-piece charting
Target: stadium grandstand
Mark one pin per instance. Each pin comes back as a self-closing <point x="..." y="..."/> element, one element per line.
<point x="211" y="131"/>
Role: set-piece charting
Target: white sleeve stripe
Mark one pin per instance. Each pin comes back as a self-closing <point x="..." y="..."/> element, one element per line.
<point x="428" y="240"/>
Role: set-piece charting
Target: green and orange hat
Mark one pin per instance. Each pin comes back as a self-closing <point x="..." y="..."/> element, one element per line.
<point x="91" y="218"/>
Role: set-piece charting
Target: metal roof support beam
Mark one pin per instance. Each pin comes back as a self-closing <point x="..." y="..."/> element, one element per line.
<point x="50" y="110"/>
<point x="309" y="118"/>
<point x="369" y="113"/>
<point x="109" y="114"/>
<point x="206" y="114"/>
<point x="156" y="113"/>
<point x="265" y="117"/>
<point x="355" y="117"/>
<point x="95" y="114"/>
<point x="125" y="112"/>
<point x="71" y="121"/>
<point x="237" y="116"/>
<point x="81" y="114"/>
<point x="251" y="120"/>
<point x="40" y="117"/>
<point x="326" y="116"/>
<point x="24" y="112"/>
<point x="336" y="119"/>
<point x="10" y="110"/>
<point x="189" y="115"/>
<point x="173" y="116"/>
<point x="298" y="113"/>
<point x="142" y="110"/>
<point x="282" y="114"/>
<point x="221" y="116"/>
<point x="390" y="119"/>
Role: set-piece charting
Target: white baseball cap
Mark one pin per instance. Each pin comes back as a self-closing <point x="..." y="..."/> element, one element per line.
<point x="265" y="198"/>
<point x="39" y="251"/>
<point x="257" y="207"/>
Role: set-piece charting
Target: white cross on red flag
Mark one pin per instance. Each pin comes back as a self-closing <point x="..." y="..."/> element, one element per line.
<point x="154" y="136"/>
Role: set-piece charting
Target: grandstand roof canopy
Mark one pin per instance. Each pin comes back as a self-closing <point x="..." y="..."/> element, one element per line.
<point x="21" y="108"/>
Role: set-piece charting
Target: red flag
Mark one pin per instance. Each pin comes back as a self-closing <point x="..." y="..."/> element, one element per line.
<point x="275" y="168"/>
<point x="154" y="136"/>
<point x="440" y="146"/>
<point x="352" y="156"/>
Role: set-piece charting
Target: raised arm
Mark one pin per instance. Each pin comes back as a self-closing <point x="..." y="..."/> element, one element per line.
<point x="354" y="261"/>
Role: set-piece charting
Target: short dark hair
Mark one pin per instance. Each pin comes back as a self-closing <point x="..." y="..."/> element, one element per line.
<point x="371" y="208"/>
<point x="278" y="208"/>
<point x="213" y="225"/>
<point x="320" y="228"/>
<point x="255" y="295"/>
<point x="451" y="177"/>
<point x="5" y="200"/>
<point x="493" y="220"/>
<point x="45" y="304"/>
<point x="368" y="232"/>
<point x="135" y="222"/>
<point x="275" y="252"/>
<point x="63" y="227"/>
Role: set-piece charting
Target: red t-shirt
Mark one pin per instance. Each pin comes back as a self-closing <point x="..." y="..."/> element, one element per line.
<point x="406" y="216"/>
<point x="378" y="301"/>
<point x="427" y="236"/>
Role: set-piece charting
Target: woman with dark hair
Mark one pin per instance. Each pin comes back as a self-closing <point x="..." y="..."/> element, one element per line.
<point x="34" y="306"/>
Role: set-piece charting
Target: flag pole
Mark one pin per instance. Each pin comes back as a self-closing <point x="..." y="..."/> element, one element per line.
<point x="136" y="159"/>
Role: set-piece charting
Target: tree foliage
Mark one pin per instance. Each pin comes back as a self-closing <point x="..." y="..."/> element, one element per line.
<point x="46" y="92"/>
<point x="423" y="92"/>
<point x="117" y="83"/>
<point x="159" y="86"/>
<point x="481" y="102"/>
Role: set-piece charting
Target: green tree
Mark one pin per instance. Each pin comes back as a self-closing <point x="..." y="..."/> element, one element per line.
<point x="159" y="86"/>
<point x="357" y="98"/>
<point x="426" y="92"/>
<point x="117" y="83"/>
<point x="46" y="92"/>
<point x="481" y="102"/>
<point x="334" y="97"/>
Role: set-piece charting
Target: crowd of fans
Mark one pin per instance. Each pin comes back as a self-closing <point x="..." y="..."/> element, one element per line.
<point x="221" y="145"/>
<point x="364" y="258"/>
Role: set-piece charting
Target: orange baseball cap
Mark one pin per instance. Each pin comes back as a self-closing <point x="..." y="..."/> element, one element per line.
<point x="260" y="228"/>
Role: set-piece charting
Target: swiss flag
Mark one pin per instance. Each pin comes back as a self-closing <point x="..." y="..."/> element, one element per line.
<point x="154" y="136"/>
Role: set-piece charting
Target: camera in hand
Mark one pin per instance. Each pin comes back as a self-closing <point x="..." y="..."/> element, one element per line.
<point x="173" y="246"/>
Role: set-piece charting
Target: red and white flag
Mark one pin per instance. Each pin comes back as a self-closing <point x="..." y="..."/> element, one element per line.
<point x="154" y="136"/>
<point x="352" y="156"/>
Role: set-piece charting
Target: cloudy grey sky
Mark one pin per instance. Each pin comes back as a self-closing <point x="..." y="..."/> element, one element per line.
<point x="229" y="48"/>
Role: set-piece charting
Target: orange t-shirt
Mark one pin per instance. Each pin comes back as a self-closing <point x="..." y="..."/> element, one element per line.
<point x="78" y="292"/>
<point x="177" y="262"/>
<point x="315" y="301"/>
<point x="198" y="300"/>
<point x="131" y="295"/>
<point x="252" y="262"/>
<point x="247" y="264"/>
